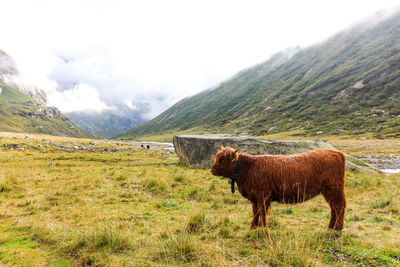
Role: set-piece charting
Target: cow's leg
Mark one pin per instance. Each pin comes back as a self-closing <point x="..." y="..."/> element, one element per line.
<point x="256" y="214"/>
<point x="339" y="207"/>
<point x="337" y="202"/>
<point x="264" y="206"/>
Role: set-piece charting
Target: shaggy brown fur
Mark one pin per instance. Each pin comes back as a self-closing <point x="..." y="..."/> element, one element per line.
<point x="287" y="179"/>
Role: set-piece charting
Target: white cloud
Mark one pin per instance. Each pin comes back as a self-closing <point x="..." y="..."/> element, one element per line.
<point x="81" y="97"/>
<point x="156" y="52"/>
<point x="131" y="106"/>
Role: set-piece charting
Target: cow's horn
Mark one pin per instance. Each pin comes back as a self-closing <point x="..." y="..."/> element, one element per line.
<point x="236" y="150"/>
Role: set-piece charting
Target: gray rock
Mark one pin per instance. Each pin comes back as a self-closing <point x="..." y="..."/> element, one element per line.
<point x="381" y="111"/>
<point x="349" y="91"/>
<point x="272" y="128"/>
<point x="198" y="151"/>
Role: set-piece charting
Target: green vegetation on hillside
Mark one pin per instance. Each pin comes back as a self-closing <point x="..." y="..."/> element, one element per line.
<point x="137" y="207"/>
<point x="21" y="113"/>
<point x="349" y="84"/>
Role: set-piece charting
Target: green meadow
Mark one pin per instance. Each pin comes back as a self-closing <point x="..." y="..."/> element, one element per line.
<point x="119" y="205"/>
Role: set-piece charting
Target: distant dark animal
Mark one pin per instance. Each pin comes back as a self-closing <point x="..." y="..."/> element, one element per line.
<point x="286" y="179"/>
<point x="142" y="146"/>
<point x="148" y="146"/>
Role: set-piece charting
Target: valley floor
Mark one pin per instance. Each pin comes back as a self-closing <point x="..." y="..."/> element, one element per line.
<point x="78" y="202"/>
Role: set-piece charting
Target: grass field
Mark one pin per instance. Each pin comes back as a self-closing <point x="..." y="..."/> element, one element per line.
<point x="123" y="206"/>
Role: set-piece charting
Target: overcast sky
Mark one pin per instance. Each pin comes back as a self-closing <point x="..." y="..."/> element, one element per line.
<point x="147" y="55"/>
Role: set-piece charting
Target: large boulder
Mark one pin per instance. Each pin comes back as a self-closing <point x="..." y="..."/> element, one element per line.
<point x="198" y="151"/>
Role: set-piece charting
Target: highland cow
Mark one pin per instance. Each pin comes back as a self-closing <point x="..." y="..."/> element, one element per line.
<point x="286" y="179"/>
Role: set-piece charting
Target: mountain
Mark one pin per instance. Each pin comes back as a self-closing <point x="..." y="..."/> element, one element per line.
<point x="23" y="108"/>
<point x="107" y="123"/>
<point x="349" y="84"/>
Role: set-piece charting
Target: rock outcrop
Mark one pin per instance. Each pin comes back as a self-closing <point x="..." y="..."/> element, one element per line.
<point x="198" y="151"/>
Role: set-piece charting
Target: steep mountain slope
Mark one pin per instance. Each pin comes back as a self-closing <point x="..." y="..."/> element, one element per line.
<point x="349" y="84"/>
<point x="24" y="110"/>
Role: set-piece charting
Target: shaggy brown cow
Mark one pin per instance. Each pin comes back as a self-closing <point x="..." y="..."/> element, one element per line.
<point x="286" y="179"/>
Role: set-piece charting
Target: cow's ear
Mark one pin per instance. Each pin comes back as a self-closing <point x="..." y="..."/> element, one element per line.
<point x="235" y="155"/>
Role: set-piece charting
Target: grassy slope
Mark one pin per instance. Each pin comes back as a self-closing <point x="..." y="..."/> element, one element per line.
<point x="141" y="208"/>
<point x="12" y="119"/>
<point x="299" y="93"/>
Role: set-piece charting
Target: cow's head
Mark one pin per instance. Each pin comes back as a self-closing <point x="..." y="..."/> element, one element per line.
<point x="225" y="162"/>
